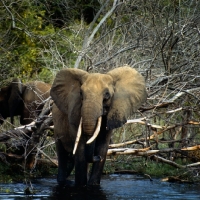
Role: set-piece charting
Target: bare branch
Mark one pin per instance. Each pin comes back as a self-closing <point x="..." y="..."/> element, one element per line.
<point x="88" y="40"/>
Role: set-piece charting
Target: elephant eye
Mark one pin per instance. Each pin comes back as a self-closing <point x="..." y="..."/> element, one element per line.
<point x="106" y="96"/>
<point x="81" y="94"/>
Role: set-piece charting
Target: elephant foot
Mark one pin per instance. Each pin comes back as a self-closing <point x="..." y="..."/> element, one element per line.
<point x="93" y="183"/>
<point x="60" y="180"/>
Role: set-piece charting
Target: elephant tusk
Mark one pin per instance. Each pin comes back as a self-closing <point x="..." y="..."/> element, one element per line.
<point x="78" y="136"/>
<point x="96" y="131"/>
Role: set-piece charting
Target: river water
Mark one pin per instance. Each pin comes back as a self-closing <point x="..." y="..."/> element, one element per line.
<point x="113" y="187"/>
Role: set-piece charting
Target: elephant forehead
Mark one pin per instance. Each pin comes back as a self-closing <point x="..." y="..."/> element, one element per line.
<point x="97" y="81"/>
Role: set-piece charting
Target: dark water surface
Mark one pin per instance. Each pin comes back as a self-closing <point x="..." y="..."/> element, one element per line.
<point x="113" y="187"/>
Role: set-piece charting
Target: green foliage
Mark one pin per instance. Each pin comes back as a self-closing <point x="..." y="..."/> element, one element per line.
<point x="26" y="39"/>
<point x="36" y="35"/>
<point x="8" y="173"/>
<point x="45" y="75"/>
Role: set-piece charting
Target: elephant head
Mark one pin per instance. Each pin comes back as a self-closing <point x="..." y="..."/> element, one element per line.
<point x="22" y="99"/>
<point x="114" y="96"/>
<point x="10" y="100"/>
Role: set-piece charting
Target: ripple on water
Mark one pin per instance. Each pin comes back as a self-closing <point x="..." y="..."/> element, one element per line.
<point x="113" y="187"/>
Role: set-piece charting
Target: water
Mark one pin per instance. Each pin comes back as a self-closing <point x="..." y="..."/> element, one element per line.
<point x="113" y="187"/>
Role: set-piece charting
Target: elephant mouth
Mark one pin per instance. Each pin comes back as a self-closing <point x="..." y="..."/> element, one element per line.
<point x="94" y="136"/>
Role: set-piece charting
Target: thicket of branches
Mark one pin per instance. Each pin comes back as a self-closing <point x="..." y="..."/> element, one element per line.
<point x="161" y="39"/>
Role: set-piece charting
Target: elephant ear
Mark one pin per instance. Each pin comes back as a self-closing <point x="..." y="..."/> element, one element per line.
<point x="130" y="93"/>
<point x="65" y="90"/>
<point x="15" y="99"/>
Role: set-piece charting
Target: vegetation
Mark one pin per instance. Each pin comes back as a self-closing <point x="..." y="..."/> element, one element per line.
<point x="158" y="38"/>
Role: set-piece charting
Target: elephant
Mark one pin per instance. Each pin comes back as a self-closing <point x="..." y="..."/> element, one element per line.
<point x="24" y="100"/>
<point x="87" y="107"/>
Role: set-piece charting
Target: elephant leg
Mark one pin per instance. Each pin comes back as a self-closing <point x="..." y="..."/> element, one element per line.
<point x="65" y="163"/>
<point x="25" y="117"/>
<point x="81" y="165"/>
<point x="101" y="149"/>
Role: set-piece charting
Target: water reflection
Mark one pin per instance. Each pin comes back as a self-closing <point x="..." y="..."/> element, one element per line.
<point x="113" y="187"/>
<point x="79" y="193"/>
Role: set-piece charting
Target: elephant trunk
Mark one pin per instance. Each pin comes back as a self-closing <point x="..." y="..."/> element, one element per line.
<point x="90" y="124"/>
<point x="90" y="114"/>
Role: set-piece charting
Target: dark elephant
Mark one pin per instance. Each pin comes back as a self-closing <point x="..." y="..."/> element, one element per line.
<point x="23" y="100"/>
<point x="91" y="104"/>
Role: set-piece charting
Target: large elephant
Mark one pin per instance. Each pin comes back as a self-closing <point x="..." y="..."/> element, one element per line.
<point x="23" y="100"/>
<point x="92" y="104"/>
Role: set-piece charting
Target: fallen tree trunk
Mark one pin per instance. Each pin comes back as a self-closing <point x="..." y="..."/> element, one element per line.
<point x="42" y="123"/>
<point x="160" y="159"/>
<point x="15" y="133"/>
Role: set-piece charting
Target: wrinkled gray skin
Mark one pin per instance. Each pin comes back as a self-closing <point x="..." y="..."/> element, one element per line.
<point x="115" y="96"/>
<point x="22" y="100"/>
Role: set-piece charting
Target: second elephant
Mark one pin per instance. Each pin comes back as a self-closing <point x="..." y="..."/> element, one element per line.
<point x="22" y="100"/>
